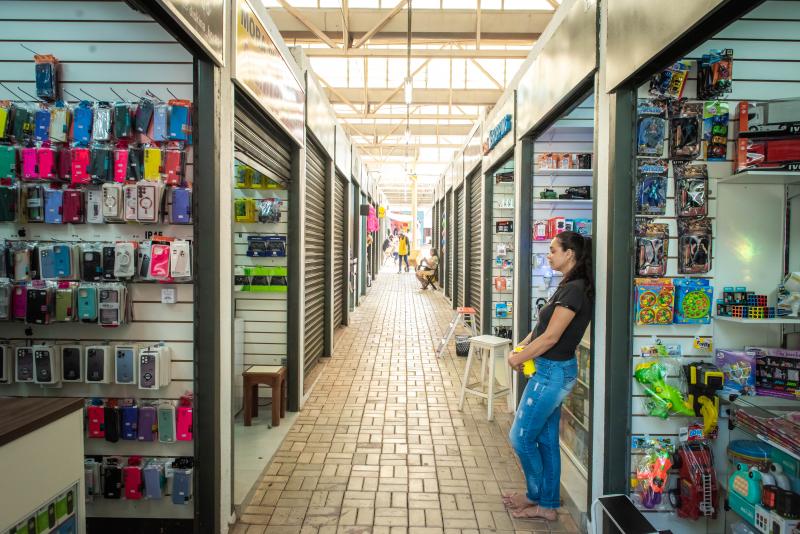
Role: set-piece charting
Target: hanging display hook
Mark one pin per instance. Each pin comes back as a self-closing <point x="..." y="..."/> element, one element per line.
<point x="134" y="94"/>
<point x="171" y="93"/>
<point x="151" y="94"/>
<point x="89" y="95"/>
<point x="23" y="91"/>
<point x="34" y="52"/>
<point x="77" y="98"/>
<point x="7" y="88"/>
<point x="116" y="93"/>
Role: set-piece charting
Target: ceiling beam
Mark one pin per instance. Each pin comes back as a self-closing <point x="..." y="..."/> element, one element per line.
<point x="307" y="23"/>
<point x="381" y="24"/>
<point x="410" y="146"/>
<point x="478" y="27"/>
<point x="388" y="130"/>
<point x="422" y="96"/>
<point x="345" y="24"/>
<point x="425" y="53"/>
<point x="553" y="3"/>
<point x="402" y="116"/>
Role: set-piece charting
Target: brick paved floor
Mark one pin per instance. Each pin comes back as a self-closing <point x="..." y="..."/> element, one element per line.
<point x="381" y="448"/>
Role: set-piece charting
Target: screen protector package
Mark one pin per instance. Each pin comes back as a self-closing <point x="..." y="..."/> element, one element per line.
<point x="101" y="126"/>
<point x="715" y="130"/>
<point x="651" y="186"/>
<point x="651" y="128"/>
<point x="694" y="246"/>
<point x="685" y="127"/>
<point x="691" y="189"/>
<point x="652" y="246"/>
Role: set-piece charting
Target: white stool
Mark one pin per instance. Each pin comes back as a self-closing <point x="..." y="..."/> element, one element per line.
<point x="488" y="349"/>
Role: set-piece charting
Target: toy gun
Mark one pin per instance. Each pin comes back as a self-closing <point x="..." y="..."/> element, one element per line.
<point x="664" y="398"/>
<point x="653" y="474"/>
<point x="704" y="381"/>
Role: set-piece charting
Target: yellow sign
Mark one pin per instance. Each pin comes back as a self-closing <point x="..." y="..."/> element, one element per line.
<point x="381" y="212"/>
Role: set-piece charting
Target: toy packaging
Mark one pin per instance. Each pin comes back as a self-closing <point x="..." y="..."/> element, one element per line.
<point x="651" y="128"/>
<point x="789" y="296"/>
<point x="670" y="82"/>
<point x="691" y="189"/>
<point x="655" y="298"/>
<point x="715" y="74"/>
<point x="738" y="367"/>
<point x="694" y="246"/>
<point x="777" y="372"/>
<point x="773" y="154"/>
<point x="693" y="298"/>
<point x="715" y="130"/>
<point x="651" y="187"/>
<point x="652" y="474"/>
<point x="772" y="118"/>
<point x="652" y="246"/>
<point x="685" y="128"/>
<point x="664" y="397"/>
<point x="697" y="492"/>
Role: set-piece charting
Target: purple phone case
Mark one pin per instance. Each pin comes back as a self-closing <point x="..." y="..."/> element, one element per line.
<point x="147" y="423"/>
<point x="181" y="206"/>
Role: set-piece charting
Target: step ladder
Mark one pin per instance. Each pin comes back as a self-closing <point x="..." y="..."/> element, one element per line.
<point x="465" y="316"/>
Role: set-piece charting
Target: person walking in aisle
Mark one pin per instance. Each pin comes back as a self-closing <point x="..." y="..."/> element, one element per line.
<point x="403" y="247"/>
<point x="551" y="344"/>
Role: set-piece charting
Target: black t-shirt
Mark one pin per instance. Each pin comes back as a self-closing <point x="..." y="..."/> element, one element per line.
<point x="572" y="296"/>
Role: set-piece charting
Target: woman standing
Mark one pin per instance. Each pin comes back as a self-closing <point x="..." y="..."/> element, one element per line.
<point x="562" y="323"/>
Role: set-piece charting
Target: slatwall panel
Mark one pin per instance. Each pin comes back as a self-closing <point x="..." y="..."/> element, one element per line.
<point x="339" y="251"/>
<point x="502" y="210"/>
<point x="450" y="245"/>
<point x="766" y="66"/>
<point x="458" y="247"/>
<point x="104" y="46"/>
<point x="314" y="218"/>
<point x="263" y="146"/>
<point x="474" y="267"/>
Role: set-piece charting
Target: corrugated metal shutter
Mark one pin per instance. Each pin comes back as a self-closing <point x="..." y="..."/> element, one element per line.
<point x="263" y="142"/>
<point x="475" y="250"/>
<point x="458" y="256"/>
<point x="339" y="251"/>
<point x="450" y="241"/>
<point x="314" y="220"/>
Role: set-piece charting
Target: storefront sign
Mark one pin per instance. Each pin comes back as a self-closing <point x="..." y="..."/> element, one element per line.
<point x="262" y="71"/>
<point x="496" y="134"/>
<point x="204" y="20"/>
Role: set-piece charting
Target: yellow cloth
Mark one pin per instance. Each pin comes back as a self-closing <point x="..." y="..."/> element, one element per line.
<point x="403" y="246"/>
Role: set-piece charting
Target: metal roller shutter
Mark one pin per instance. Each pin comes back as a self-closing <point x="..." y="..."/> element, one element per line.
<point x="450" y="241"/>
<point x="458" y="256"/>
<point x="262" y="142"/>
<point x="475" y="225"/>
<point x="314" y="220"/>
<point x="339" y="246"/>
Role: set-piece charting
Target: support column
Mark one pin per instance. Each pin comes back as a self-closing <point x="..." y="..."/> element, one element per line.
<point x="297" y="271"/>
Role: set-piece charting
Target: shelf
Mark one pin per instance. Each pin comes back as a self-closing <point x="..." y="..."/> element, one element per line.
<point x="767" y="418"/>
<point x="762" y="177"/>
<point x="561" y="201"/>
<point x="563" y="172"/>
<point x="583" y="425"/>
<point x="777" y="320"/>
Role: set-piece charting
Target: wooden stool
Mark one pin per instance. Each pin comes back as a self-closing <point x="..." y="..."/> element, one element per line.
<point x="273" y="376"/>
<point x="488" y="348"/>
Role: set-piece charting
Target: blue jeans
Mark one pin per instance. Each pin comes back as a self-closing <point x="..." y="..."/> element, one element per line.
<point x="534" y="434"/>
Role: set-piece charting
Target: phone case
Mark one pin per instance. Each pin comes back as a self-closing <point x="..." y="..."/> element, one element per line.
<point x="46" y="163"/>
<point x="41" y="125"/>
<point x="173" y="167"/>
<point x="8" y="162"/>
<point x="120" y="164"/>
<point x="135" y="170"/>
<point x="153" y="474"/>
<point x="131" y="202"/>
<point x="72" y="363"/>
<point x="19" y="302"/>
<point x="123" y="120"/>
<point x="81" y="161"/>
<point x="144" y="114"/>
<point x="87" y="304"/>
<point x="159" y="262"/>
<point x="6" y="365"/>
<point x="38" y="307"/>
<point x="184" y="423"/>
<point x="91" y="266"/>
<point x="8" y="204"/>
<point x="109" y="307"/>
<point x="125" y="364"/>
<point x="6" y="312"/>
<point x="130" y="422"/>
<point x="181" y="486"/>
<point x="132" y="474"/>
<point x="65" y="164"/>
<point x="47" y="263"/>
<point x="147" y="423"/>
<point x="145" y="249"/>
<point x="152" y="164"/>
<point x="180" y="260"/>
<point x="96" y="418"/>
<point x="30" y="168"/>
<point x="98" y="364"/>
<point x="45" y="365"/>
<point x="73" y="206"/>
<point x="124" y="260"/>
<point x="160" y="119"/>
<point x="33" y="201"/>
<point x="112" y="482"/>
<point x="166" y="423"/>
<point x="101" y="125"/>
<point x="62" y="259"/>
<point x="94" y="206"/>
<point x="82" y="123"/>
<point x="112" y="202"/>
<point x="179" y="122"/>
<point x="65" y="305"/>
<point x="181" y="206"/>
<point x="148" y="207"/>
<point x="53" y="203"/>
<point x="23" y="364"/>
<point x="59" y="123"/>
<point x="101" y="166"/>
<point x="112" y="423"/>
<point x="109" y="259"/>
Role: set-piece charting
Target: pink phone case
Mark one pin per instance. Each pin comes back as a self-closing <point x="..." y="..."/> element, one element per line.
<point x="20" y="303"/>
<point x="120" y="164"/>
<point x="173" y="169"/>
<point x="97" y="418"/>
<point x="46" y="158"/>
<point x="29" y="170"/>
<point x="80" y="166"/>
<point x="159" y="262"/>
<point x="183" y="416"/>
<point x="133" y="482"/>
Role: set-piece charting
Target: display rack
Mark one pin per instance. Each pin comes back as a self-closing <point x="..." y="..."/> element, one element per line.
<point x="502" y="290"/>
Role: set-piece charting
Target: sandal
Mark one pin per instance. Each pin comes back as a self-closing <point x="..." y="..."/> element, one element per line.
<point x="535" y="512"/>
<point x="517" y="501"/>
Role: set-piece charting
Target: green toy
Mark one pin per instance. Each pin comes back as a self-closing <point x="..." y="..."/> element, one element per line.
<point x="664" y="399"/>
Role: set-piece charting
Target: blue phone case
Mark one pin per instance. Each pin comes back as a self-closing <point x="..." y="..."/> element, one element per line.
<point x="41" y="129"/>
<point x="47" y="264"/>
<point x="53" y="200"/>
<point x="153" y="481"/>
<point x="87" y="304"/>
<point x="160" y="118"/>
<point x="124" y="366"/>
<point x="82" y="124"/>
<point x="181" y="486"/>
<point x="130" y="423"/>
<point x="178" y="121"/>
<point x="181" y="206"/>
<point x="62" y="257"/>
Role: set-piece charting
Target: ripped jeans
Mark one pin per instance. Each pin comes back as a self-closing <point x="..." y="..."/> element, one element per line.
<point x="534" y="434"/>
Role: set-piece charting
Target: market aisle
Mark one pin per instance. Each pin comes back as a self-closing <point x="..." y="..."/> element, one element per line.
<point x="381" y="446"/>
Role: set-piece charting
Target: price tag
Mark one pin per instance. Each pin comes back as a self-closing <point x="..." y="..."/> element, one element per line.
<point x="168" y="295"/>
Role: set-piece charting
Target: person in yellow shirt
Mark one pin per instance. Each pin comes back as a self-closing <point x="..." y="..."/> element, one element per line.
<point x="403" y="247"/>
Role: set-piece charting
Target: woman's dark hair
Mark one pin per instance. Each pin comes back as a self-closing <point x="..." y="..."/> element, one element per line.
<point x="581" y="246"/>
<point x="433" y="252"/>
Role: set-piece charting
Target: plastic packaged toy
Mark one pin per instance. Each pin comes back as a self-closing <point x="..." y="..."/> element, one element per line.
<point x="269" y="210"/>
<point x="652" y="245"/>
<point x="691" y="189"/>
<point x="715" y="130"/>
<point x="655" y="298"/>
<point x="651" y="128"/>
<point x="685" y="127"/>
<point x="715" y="74"/>
<point x="696" y="495"/>
<point x="694" y="246"/>
<point x="651" y="187"/>
<point x="739" y="368"/>
<point x="664" y="398"/>
<point x="652" y="473"/>
<point x="670" y="82"/>
<point x="693" y="298"/>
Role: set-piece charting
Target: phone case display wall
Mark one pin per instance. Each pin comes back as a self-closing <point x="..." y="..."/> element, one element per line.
<point x="261" y="211"/>
<point x="58" y="516"/>
<point x="502" y="259"/>
<point x="714" y="406"/>
<point x="562" y="178"/>
<point x="96" y="242"/>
